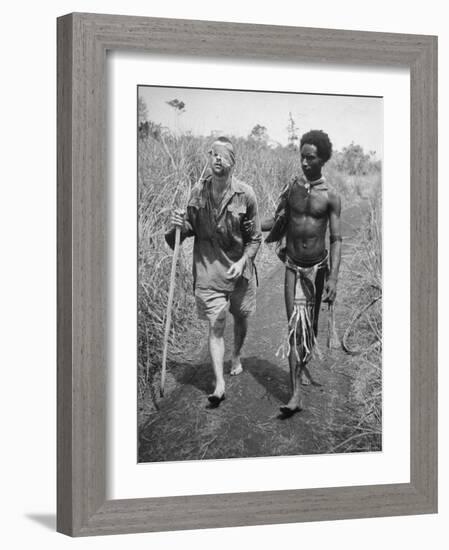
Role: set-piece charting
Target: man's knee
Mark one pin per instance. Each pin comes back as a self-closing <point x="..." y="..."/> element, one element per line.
<point x="240" y="319"/>
<point x="217" y="325"/>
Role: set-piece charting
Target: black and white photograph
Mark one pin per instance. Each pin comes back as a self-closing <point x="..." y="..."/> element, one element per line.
<point x="259" y="269"/>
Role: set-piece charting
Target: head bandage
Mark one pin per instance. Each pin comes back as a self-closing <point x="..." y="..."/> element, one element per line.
<point x="225" y="150"/>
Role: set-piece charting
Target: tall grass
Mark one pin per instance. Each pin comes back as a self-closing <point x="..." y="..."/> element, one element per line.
<point x="363" y="333"/>
<point x="167" y="168"/>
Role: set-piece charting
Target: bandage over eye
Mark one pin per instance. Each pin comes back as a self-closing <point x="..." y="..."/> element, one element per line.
<point x="225" y="151"/>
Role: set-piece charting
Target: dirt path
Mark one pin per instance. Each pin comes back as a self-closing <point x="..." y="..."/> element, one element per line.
<point x="248" y="423"/>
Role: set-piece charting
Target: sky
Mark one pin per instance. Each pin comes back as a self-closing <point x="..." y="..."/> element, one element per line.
<point x="230" y="112"/>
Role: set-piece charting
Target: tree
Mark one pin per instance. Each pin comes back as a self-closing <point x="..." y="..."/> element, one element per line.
<point x="292" y="130"/>
<point x="259" y="133"/>
<point x="178" y="106"/>
<point x="353" y="159"/>
<point x="145" y="126"/>
<point x="142" y="110"/>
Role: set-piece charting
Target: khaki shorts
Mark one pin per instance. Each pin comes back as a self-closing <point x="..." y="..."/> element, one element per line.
<point x="241" y="301"/>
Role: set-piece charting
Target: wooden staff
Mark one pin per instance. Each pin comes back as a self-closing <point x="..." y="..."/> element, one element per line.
<point x="333" y="341"/>
<point x="171" y="292"/>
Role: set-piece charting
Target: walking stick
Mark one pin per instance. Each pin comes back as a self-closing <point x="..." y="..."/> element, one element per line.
<point x="333" y="341"/>
<point x="169" y="306"/>
<point x="171" y="292"/>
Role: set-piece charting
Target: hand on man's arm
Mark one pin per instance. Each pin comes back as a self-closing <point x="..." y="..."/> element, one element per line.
<point x="265" y="225"/>
<point x="251" y="228"/>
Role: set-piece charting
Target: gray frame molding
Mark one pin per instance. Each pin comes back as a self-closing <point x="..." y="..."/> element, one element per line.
<point x="83" y="40"/>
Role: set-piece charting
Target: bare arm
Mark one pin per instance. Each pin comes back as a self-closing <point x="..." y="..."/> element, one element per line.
<point x="254" y="235"/>
<point x="335" y="246"/>
<point x="267" y="223"/>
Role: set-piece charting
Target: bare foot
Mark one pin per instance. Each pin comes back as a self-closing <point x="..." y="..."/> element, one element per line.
<point x="304" y="378"/>
<point x="292" y="407"/>
<point x="236" y="367"/>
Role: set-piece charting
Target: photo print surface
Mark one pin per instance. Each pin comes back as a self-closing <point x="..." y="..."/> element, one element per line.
<point x="259" y="274"/>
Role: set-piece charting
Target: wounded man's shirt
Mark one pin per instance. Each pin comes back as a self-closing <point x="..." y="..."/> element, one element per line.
<point x="220" y="237"/>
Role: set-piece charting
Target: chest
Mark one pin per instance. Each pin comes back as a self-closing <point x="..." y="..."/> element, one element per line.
<point x="223" y="220"/>
<point x="313" y="204"/>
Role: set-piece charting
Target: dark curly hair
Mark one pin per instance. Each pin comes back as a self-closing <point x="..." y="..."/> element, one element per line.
<point x="321" y="141"/>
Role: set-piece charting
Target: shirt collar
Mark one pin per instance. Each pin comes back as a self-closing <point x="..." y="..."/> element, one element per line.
<point x="236" y="186"/>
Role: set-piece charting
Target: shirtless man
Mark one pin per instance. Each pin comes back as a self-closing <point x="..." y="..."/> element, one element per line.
<point x="307" y="205"/>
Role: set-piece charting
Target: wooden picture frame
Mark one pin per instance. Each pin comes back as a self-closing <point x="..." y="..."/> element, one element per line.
<point x="83" y="40"/>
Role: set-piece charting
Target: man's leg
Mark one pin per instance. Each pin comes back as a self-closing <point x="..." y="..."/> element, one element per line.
<point x="296" y="373"/>
<point x="319" y="287"/>
<point x="212" y="306"/>
<point x="216" y="349"/>
<point x="242" y="305"/>
<point x="305" y="376"/>
<point x="294" y="403"/>
<point x="240" y="331"/>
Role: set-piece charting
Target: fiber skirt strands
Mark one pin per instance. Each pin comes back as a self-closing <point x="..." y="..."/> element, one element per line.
<point x="301" y="334"/>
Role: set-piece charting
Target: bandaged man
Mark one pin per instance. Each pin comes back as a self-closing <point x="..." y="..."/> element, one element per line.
<point x="307" y="206"/>
<point x="223" y="254"/>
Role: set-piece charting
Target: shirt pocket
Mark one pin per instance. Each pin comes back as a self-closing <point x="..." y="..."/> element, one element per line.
<point x="237" y="211"/>
<point x="235" y="216"/>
